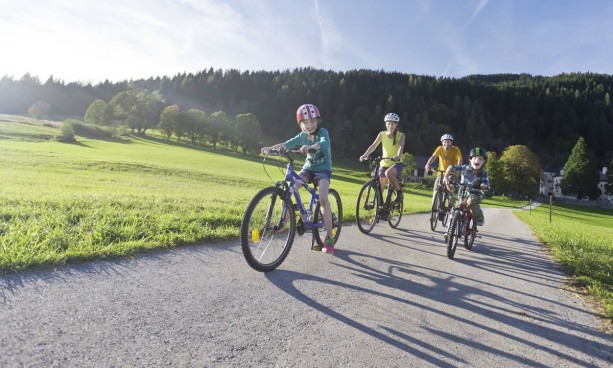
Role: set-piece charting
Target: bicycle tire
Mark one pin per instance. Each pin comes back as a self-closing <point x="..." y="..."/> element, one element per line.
<point x="469" y="238"/>
<point x="336" y="206"/>
<point x="396" y="210"/>
<point x="264" y="241"/>
<point x="454" y="234"/>
<point x="435" y="210"/>
<point x="448" y="209"/>
<point x="367" y="207"/>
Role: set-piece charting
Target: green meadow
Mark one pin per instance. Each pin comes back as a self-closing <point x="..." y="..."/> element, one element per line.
<point x="97" y="198"/>
<point x="65" y="202"/>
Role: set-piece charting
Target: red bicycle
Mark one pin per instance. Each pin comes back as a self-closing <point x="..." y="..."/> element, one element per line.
<point x="463" y="223"/>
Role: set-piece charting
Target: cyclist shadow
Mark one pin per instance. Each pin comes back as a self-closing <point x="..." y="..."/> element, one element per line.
<point x="287" y="280"/>
<point x="446" y="289"/>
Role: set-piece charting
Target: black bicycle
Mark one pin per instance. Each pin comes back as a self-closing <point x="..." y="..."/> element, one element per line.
<point x="442" y="205"/>
<point x="269" y="224"/>
<point x="371" y="207"/>
<point x="463" y="223"/>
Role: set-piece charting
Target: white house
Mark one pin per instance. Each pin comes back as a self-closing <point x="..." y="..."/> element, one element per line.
<point x="550" y="183"/>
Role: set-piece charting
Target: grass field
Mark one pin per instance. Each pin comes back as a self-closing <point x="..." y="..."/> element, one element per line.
<point x="96" y="198"/>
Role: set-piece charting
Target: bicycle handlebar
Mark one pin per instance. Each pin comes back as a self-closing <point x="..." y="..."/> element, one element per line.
<point x="285" y="151"/>
<point x="379" y="158"/>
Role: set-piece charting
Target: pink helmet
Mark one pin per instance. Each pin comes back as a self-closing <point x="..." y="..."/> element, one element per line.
<point x="307" y="111"/>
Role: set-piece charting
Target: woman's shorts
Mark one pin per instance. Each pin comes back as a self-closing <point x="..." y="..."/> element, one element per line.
<point x="398" y="167"/>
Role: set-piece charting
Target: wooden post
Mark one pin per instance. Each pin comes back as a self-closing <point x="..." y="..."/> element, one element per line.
<point x="550" y="204"/>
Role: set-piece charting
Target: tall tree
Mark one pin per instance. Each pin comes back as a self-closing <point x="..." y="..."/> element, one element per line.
<point x="580" y="176"/>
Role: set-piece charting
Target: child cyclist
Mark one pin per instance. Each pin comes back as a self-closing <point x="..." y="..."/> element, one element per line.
<point x="392" y="142"/>
<point x="475" y="174"/>
<point x="318" y="164"/>
<point x="447" y="154"/>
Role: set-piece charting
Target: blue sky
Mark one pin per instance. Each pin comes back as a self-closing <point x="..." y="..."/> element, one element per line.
<point x="90" y="41"/>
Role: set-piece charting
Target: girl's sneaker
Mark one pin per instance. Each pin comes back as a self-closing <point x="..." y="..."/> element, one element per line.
<point x="328" y="245"/>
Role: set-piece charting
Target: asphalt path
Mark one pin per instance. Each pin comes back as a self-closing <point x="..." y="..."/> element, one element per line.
<point x="388" y="299"/>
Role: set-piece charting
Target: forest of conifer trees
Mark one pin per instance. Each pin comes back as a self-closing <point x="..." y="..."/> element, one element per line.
<point x="547" y="114"/>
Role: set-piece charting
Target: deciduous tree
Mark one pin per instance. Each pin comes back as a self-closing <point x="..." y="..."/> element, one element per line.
<point x="249" y="132"/>
<point x="521" y="170"/>
<point x="169" y="120"/>
<point x="97" y="113"/>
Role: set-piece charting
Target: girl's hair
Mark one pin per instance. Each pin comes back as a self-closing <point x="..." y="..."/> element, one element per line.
<point x="395" y="133"/>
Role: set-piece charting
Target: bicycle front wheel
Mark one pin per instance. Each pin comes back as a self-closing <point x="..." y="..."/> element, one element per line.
<point x="366" y="207"/>
<point x="267" y="230"/>
<point x="337" y="218"/>
<point x="471" y="233"/>
<point x="396" y="209"/>
<point x="455" y="231"/>
<point x="435" y="210"/>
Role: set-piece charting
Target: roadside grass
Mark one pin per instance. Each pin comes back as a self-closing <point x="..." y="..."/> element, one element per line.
<point x="581" y="239"/>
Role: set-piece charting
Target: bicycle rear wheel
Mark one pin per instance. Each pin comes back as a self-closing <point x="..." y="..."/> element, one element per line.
<point x="454" y="234"/>
<point x="366" y="207"/>
<point x="435" y="210"/>
<point x="337" y="218"/>
<point x="396" y="209"/>
<point x="469" y="238"/>
<point x="267" y="230"/>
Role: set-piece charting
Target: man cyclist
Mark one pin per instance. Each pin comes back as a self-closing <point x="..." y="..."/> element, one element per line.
<point x="447" y="155"/>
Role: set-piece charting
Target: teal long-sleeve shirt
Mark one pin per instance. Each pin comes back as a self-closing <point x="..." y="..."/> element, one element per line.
<point x="320" y="160"/>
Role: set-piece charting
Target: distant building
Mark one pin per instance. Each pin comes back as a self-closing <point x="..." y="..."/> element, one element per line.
<point x="552" y="177"/>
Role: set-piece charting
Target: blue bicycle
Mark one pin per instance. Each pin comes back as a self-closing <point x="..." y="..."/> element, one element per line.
<point x="269" y="224"/>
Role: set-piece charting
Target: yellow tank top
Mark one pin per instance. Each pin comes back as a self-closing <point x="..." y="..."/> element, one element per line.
<point x="389" y="148"/>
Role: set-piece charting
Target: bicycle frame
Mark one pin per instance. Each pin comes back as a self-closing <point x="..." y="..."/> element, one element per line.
<point x="377" y="180"/>
<point x="289" y="184"/>
<point x="467" y="214"/>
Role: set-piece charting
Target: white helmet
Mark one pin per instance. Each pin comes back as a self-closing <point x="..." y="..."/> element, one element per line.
<point x="446" y="136"/>
<point x="392" y="117"/>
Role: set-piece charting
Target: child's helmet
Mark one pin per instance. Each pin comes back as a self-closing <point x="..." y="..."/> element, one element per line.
<point x="478" y="151"/>
<point x="446" y="136"/>
<point x="307" y="111"/>
<point x="392" y="117"/>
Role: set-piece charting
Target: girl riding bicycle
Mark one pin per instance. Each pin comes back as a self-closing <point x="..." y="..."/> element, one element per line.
<point x="475" y="174"/>
<point x="315" y="142"/>
<point x="392" y="142"/>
